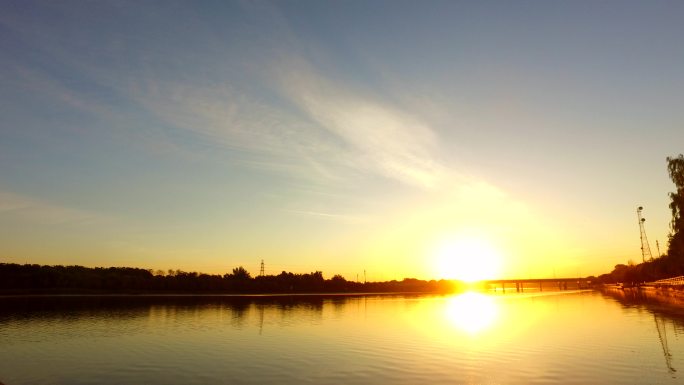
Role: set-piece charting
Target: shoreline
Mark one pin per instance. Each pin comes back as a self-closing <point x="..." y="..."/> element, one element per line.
<point x="668" y="297"/>
<point x="222" y="295"/>
<point x="276" y="295"/>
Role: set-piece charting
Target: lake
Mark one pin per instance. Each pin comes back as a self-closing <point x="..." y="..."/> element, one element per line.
<point x="533" y="338"/>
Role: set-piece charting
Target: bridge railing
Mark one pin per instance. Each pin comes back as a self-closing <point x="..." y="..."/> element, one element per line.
<point x="674" y="281"/>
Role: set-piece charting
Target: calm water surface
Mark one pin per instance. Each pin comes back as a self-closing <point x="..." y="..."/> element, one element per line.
<point x="539" y="338"/>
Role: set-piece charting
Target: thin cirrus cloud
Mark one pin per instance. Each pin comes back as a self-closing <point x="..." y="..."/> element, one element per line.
<point x="40" y="212"/>
<point x="321" y="127"/>
<point x="382" y="139"/>
<point x="330" y="216"/>
<point x="298" y="120"/>
<point x="258" y="134"/>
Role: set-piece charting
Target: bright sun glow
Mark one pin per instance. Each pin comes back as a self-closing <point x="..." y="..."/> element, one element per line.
<point x="472" y="312"/>
<point x="468" y="260"/>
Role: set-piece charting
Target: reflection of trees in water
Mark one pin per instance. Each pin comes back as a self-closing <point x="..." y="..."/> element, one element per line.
<point x="70" y="308"/>
<point x="260" y="308"/>
<point x="339" y="305"/>
<point x="667" y="311"/>
<point x="118" y="307"/>
<point x="168" y="309"/>
<point x="290" y="309"/>
<point x="238" y="311"/>
<point x="285" y="310"/>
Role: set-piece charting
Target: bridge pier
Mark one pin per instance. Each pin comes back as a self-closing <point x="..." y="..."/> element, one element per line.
<point x="560" y="284"/>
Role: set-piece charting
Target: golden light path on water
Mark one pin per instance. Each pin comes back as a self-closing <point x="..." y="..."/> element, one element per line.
<point x="482" y="320"/>
<point x="472" y="312"/>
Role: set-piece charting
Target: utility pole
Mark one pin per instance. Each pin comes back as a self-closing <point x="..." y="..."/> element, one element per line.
<point x="261" y="271"/>
<point x="658" y="248"/>
<point x="364" y="276"/>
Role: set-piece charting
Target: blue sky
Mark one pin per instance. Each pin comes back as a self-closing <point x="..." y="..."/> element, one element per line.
<point x="336" y="136"/>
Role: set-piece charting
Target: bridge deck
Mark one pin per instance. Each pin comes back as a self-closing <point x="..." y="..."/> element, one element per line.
<point x="535" y="280"/>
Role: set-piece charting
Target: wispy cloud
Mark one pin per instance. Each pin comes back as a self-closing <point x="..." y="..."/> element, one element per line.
<point x="271" y="107"/>
<point x="380" y="138"/>
<point x="263" y="135"/>
<point x="329" y="216"/>
<point x="333" y="130"/>
<point x="40" y="212"/>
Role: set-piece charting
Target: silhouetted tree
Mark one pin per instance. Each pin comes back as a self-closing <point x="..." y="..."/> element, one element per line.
<point x="336" y="283"/>
<point x="241" y="273"/>
<point x="25" y="279"/>
<point x="675" y="167"/>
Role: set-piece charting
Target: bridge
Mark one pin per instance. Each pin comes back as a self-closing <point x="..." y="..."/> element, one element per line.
<point x="539" y="283"/>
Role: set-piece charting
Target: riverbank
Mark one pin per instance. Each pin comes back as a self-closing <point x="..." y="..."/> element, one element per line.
<point x="669" y="297"/>
<point x="217" y="295"/>
<point x="672" y="294"/>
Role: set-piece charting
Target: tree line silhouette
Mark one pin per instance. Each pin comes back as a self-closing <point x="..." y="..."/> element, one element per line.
<point x="31" y="278"/>
<point x="670" y="264"/>
<point x="53" y="308"/>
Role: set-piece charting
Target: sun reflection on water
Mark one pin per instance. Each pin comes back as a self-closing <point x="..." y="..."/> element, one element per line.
<point x="472" y="312"/>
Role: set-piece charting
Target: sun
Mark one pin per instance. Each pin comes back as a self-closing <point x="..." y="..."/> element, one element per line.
<point x="468" y="260"/>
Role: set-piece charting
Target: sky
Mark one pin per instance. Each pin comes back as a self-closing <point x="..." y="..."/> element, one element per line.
<point x="338" y="136"/>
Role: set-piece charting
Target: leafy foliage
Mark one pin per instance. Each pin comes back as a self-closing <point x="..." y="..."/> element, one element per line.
<point x="16" y="278"/>
<point x="675" y="167"/>
<point x="241" y="273"/>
